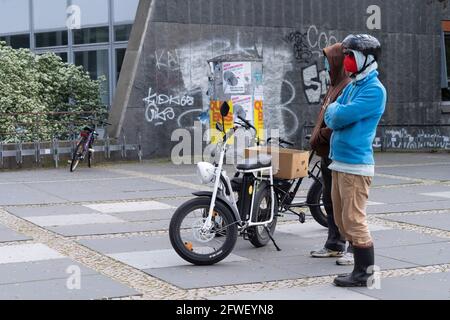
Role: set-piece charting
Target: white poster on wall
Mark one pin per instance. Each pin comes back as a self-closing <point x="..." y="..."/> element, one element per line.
<point x="236" y="77"/>
<point x="243" y="107"/>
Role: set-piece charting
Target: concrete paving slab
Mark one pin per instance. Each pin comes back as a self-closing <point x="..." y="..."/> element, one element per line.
<point x="158" y="168"/>
<point x="445" y="195"/>
<point x="410" y="194"/>
<point x="23" y="176"/>
<point x="409" y="207"/>
<point x="439" y="221"/>
<point x="324" y="292"/>
<point x="73" y="220"/>
<point x="291" y="245"/>
<point x="383" y="181"/>
<point x="190" y="277"/>
<point x="313" y="229"/>
<point x="129" y="206"/>
<point x="129" y="244"/>
<point x="418" y="287"/>
<point x="101" y="229"/>
<point x="437" y="172"/>
<point x="145" y="216"/>
<point x="398" y="238"/>
<point x="313" y="267"/>
<point x="27" y="253"/>
<point x="93" y="287"/>
<point x="160" y="259"/>
<point x="55" y="210"/>
<point x="400" y="159"/>
<point x="138" y="188"/>
<point x="421" y="254"/>
<point x="22" y="195"/>
<point x="39" y="270"/>
<point x="8" y="235"/>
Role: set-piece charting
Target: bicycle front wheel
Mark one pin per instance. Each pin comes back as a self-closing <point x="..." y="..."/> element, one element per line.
<point x="195" y="244"/>
<point x="77" y="156"/>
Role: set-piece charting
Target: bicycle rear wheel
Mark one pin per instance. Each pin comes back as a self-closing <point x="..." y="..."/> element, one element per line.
<point x="77" y="156"/>
<point x="258" y="236"/>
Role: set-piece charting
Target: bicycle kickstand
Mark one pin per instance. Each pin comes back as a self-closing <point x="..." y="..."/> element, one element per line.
<point x="271" y="238"/>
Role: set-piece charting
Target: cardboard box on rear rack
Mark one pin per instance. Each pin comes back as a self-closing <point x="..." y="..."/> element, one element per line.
<point x="288" y="164"/>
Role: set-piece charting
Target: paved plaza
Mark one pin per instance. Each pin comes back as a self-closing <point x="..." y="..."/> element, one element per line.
<point x="109" y="225"/>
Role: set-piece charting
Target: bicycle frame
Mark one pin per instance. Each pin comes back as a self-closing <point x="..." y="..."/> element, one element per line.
<point x="232" y="202"/>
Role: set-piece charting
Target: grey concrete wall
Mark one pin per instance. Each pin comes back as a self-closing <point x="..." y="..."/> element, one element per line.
<point x="181" y="35"/>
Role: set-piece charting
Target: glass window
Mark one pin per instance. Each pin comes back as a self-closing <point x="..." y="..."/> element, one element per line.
<point x="120" y="56"/>
<point x="49" y="14"/>
<point x="93" y="12"/>
<point x="97" y="64"/>
<point x="125" y="11"/>
<point x="62" y="55"/>
<point x="91" y="35"/>
<point x="51" y="39"/>
<point x="122" y="32"/>
<point x="17" y="41"/>
<point x="446" y="91"/>
<point x="14" y="16"/>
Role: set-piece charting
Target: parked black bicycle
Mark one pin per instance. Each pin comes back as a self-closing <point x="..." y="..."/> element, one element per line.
<point x="85" y="146"/>
<point x="287" y="190"/>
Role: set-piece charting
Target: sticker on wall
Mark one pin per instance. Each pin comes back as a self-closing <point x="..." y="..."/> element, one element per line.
<point x="216" y="117"/>
<point x="259" y="119"/>
<point x="259" y="93"/>
<point x="236" y="77"/>
<point x="243" y="107"/>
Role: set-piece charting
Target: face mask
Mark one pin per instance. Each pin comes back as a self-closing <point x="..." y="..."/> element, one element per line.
<point x="350" y="64"/>
<point x="327" y="65"/>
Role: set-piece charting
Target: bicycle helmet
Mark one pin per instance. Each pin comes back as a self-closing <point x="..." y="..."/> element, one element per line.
<point x="364" y="43"/>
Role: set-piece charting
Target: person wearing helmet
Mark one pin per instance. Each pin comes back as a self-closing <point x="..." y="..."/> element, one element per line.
<point x="354" y="118"/>
<point x="320" y="143"/>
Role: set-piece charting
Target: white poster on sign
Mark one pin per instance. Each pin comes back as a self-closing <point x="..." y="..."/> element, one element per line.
<point x="243" y="107"/>
<point x="236" y="76"/>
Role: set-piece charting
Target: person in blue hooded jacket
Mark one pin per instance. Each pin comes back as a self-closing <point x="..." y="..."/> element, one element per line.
<point x="354" y="118"/>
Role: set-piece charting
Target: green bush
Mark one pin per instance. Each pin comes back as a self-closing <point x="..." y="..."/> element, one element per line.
<point x="34" y="86"/>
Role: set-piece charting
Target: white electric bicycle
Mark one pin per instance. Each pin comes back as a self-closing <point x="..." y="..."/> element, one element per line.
<point x="204" y="230"/>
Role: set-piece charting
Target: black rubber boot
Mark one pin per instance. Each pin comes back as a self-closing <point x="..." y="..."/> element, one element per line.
<point x="364" y="258"/>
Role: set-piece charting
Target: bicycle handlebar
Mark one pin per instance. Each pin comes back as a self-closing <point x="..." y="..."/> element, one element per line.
<point x="247" y="123"/>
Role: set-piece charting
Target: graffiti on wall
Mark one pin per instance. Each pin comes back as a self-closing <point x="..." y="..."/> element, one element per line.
<point x="185" y="69"/>
<point x="309" y="45"/>
<point x="315" y="83"/>
<point x="169" y="59"/>
<point x="302" y="51"/>
<point x="403" y="139"/>
<point x="159" y="108"/>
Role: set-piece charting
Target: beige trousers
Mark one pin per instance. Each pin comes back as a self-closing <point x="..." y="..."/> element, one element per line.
<point x="350" y="194"/>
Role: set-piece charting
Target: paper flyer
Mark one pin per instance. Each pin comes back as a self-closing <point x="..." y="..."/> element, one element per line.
<point x="243" y="107"/>
<point x="236" y="76"/>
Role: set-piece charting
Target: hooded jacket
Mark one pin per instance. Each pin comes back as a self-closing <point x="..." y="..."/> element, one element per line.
<point x="321" y="136"/>
<point x="354" y="117"/>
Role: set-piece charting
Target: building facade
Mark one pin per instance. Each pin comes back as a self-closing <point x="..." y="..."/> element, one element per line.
<point x="173" y="40"/>
<point x="164" y="81"/>
<point x="97" y="41"/>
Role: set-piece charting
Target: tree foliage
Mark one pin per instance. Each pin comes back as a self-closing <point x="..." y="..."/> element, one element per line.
<point x="36" y="89"/>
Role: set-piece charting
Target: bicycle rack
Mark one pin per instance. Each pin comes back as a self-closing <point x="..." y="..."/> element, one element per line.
<point x="20" y="151"/>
